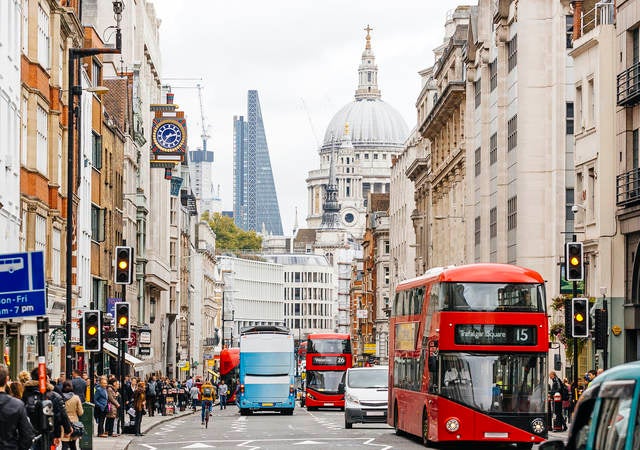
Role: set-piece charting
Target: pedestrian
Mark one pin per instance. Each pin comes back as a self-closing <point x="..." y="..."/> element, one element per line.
<point x="113" y="405"/>
<point x="194" y="392"/>
<point x="79" y="386"/>
<point x="139" y="406"/>
<point x="24" y="376"/>
<point x="557" y="388"/>
<point x="151" y="395"/>
<point x="101" y="401"/>
<point x="16" y="432"/>
<point x="222" y="393"/>
<point x="566" y="403"/>
<point x="74" y="410"/>
<point x="16" y="389"/>
<point x="31" y="398"/>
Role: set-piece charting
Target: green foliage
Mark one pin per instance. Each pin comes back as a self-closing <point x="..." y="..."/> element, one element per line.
<point x="229" y="237"/>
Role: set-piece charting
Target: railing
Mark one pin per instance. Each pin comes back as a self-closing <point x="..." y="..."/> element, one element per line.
<point x="601" y="14"/>
<point x="628" y="188"/>
<point x="628" y="81"/>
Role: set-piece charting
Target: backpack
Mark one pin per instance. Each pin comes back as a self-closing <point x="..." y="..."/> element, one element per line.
<point x="151" y="389"/>
<point x="34" y="411"/>
<point x="206" y="392"/>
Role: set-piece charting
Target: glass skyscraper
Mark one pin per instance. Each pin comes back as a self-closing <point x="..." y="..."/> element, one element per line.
<point x="255" y="203"/>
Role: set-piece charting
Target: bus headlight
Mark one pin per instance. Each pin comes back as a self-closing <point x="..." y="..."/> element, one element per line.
<point x="452" y="425"/>
<point x="537" y="425"/>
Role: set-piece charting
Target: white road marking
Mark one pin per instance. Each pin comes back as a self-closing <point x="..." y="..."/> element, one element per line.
<point x="199" y="445"/>
<point x="307" y="443"/>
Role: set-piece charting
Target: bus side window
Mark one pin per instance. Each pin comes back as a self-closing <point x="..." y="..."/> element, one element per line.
<point x="395" y="311"/>
<point x="419" y="300"/>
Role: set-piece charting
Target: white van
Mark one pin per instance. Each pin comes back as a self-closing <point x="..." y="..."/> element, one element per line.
<point x="365" y="395"/>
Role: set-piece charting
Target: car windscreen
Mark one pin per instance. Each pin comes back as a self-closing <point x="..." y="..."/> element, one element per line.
<point x="368" y="378"/>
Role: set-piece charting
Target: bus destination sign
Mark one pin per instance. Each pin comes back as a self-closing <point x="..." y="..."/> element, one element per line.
<point x="496" y="335"/>
<point x="329" y="360"/>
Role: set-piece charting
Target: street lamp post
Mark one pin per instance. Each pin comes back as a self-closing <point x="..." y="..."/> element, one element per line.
<point x="73" y="91"/>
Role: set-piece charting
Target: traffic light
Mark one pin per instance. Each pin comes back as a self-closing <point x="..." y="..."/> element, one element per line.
<point x="122" y="320"/>
<point x="600" y="328"/>
<point x="580" y="314"/>
<point x="124" y="265"/>
<point x="573" y="257"/>
<point x="92" y="331"/>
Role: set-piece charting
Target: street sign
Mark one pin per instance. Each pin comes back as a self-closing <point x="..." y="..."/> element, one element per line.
<point x="182" y="364"/>
<point x="144" y="351"/>
<point x="22" y="285"/>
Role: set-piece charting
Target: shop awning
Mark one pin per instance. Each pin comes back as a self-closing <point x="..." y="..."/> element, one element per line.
<point x="213" y="373"/>
<point x="113" y="351"/>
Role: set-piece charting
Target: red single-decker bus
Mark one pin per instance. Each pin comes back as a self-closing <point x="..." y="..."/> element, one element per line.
<point x="328" y="358"/>
<point x="468" y="355"/>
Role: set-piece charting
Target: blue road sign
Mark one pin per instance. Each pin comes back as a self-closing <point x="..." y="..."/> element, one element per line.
<point x="22" y="285"/>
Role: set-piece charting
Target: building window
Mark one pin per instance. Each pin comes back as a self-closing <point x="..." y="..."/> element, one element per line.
<point x="512" y="213"/>
<point x="172" y="254"/>
<point x="44" y="39"/>
<point x="96" y="73"/>
<point x="569" y="30"/>
<point x="477" y="86"/>
<point x="41" y="235"/>
<point x="366" y="156"/>
<point x="477" y="231"/>
<point x="634" y="150"/>
<point x="493" y="148"/>
<point x="97" y="223"/>
<point x="512" y="133"/>
<point x="512" y="51"/>
<point x="375" y="156"/>
<point x="493" y="222"/>
<point x="23" y="138"/>
<point x="386" y="276"/>
<point x="56" y="254"/>
<point x="569" y="113"/>
<point x="493" y="74"/>
<point x="579" y="117"/>
<point x="569" y="199"/>
<point x="96" y="150"/>
<point x="42" y="144"/>
<point x="478" y="162"/>
<point x="386" y="247"/>
<point x="592" y="103"/>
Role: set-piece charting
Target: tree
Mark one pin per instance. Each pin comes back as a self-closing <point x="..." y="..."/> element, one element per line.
<point x="229" y="237"/>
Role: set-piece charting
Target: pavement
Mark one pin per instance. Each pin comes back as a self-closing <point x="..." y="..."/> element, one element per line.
<point x="122" y="441"/>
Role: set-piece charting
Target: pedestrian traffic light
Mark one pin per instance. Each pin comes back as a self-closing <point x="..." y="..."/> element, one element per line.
<point x="124" y="265"/>
<point x="573" y="257"/>
<point x="600" y="328"/>
<point x="580" y="314"/>
<point x="122" y="320"/>
<point x="92" y="331"/>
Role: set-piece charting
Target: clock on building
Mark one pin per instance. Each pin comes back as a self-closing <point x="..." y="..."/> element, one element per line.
<point x="169" y="135"/>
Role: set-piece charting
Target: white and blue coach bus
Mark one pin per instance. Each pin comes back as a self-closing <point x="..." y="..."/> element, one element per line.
<point x="267" y="370"/>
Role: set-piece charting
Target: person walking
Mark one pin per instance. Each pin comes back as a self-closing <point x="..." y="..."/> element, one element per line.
<point x="557" y="388"/>
<point x="16" y="432"/>
<point x="16" y="389"/>
<point x="113" y="405"/>
<point x="151" y="395"/>
<point x="194" y="393"/>
<point x="101" y="401"/>
<point x="222" y="394"/>
<point x="139" y="406"/>
<point x="74" y="410"/>
<point x="79" y="386"/>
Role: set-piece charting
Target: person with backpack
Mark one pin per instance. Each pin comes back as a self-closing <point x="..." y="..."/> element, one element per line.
<point x="32" y="400"/>
<point x="151" y="395"/>
<point x="16" y="433"/>
<point x="207" y="394"/>
<point x="101" y="401"/>
<point x="557" y="386"/>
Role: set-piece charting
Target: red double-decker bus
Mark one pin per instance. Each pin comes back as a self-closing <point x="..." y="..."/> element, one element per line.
<point x="328" y="358"/>
<point x="468" y="355"/>
<point x="230" y="370"/>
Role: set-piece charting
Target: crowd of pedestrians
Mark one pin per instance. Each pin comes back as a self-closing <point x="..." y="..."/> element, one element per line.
<point x="564" y="395"/>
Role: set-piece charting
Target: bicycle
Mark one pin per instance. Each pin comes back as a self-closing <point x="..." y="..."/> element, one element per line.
<point x="207" y="412"/>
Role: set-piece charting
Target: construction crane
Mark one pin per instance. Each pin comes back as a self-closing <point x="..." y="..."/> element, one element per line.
<point x="204" y="136"/>
<point x="313" y="130"/>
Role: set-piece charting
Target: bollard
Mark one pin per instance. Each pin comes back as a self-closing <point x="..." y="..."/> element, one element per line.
<point x="86" y="441"/>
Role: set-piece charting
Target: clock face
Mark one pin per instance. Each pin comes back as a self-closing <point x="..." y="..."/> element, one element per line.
<point x="169" y="136"/>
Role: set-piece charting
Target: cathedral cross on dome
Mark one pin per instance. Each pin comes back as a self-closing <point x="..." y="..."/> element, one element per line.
<point x="368" y="30"/>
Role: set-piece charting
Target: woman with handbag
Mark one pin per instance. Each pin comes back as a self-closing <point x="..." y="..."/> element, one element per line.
<point x="74" y="411"/>
<point x="139" y="405"/>
<point x="113" y="405"/>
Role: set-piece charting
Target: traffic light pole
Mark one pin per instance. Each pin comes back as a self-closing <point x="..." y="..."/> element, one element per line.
<point x="575" y="340"/>
<point x="121" y="352"/>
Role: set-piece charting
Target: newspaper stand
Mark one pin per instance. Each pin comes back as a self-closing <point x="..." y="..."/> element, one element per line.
<point x="170" y="402"/>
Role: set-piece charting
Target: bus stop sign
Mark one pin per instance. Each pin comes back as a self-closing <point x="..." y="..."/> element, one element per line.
<point x="22" y="285"/>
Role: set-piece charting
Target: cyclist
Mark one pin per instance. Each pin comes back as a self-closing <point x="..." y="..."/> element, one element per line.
<point x="206" y="394"/>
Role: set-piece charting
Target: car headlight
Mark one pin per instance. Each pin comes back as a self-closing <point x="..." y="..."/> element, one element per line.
<point x="452" y="425"/>
<point x="351" y="399"/>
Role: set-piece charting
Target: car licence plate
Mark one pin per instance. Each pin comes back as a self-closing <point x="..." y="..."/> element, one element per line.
<point x="328" y="404"/>
<point x="375" y="413"/>
<point x="267" y="404"/>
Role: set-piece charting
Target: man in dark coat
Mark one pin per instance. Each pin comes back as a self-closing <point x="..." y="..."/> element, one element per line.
<point x="16" y="432"/>
<point x="79" y="386"/>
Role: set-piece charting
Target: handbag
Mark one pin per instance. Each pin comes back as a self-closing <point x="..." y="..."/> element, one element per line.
<point x="77" y="430"/>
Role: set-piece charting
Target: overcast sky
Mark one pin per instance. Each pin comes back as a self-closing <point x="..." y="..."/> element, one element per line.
<point x="302" y="56"/>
